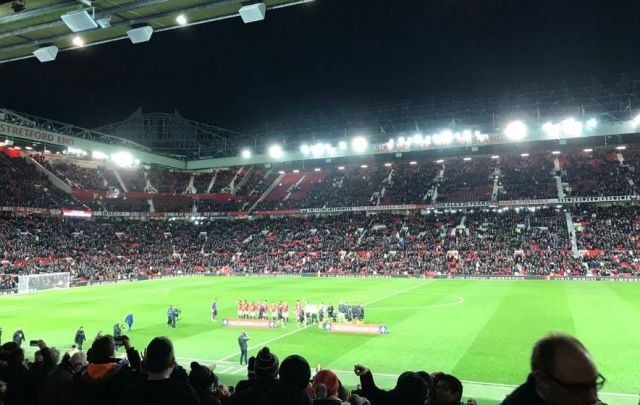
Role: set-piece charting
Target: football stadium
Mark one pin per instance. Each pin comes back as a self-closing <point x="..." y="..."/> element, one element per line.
<point x="458" y="243"/>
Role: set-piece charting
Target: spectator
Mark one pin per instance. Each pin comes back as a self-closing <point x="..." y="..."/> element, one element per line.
<point x="411" y="388"/>
<point x="562" y="373"/>
<point x="205" y="383"/>
<point x="15" y="374"/>
<point x="46" y="361"/>
<point x="266" y="369"/>
<point x="106" y="378"/>
<point x="58" y="385"/>
<point x="159" y="388"/>
<point x="251" y="376"/>
<point x="294" y="379"/>
<point x="326" y="385"/>
<point x="447" y="390"/>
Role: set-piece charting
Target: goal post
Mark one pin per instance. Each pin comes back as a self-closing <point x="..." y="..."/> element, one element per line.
<point x="41" y="282"/>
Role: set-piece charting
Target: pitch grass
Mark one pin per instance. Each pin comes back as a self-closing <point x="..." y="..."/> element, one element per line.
<point x="478" y="330"/>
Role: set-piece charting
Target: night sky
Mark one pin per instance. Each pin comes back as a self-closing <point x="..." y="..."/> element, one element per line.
<point x="341" y="53"/>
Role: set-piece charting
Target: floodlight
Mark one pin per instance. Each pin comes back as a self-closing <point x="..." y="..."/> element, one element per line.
<point x="253" y="12"/>
<point x="140" y="34"/>
<point x="78" y="41"/>
<point x="359" y="144"/>
<point x="364" y="166"/>
<point x="621" y="147"/>
<point x="413" y="163"/>
<point x="281" y="172"/>
<point x="636" y="120"/>
<point x="466" y="159"/>
<point x="571" y="127"/>
<point x="28" y="148"/>
<point x="555" y="152"/>
<point x="99" y="155"/>
<point x="275" y="151"/>
<point x="79" y="20"/>
<point x="401" y="141"/>
<point x="390" y="143"/>
<point x="495" y="157"/>
<point x="46" y="53"/>
<point x="317" y="150"/>
<point x="587" y="150"/>
<point x="552" y="130"/>
<point x="417" y="138"/>
<point x="524" y="154"/>
<point x="304" y="149"/>
<point x="446" y="136"/>
<point x="181" y="19"/>
<point x="122" y="159"/>
<point x="342" y="145"/>
<point x="296" y="171"/>
<point x="440" y="161"/>
<point x="317" y="169"/>
<point x="387" y="165"/>
<point x="592" y="123"/>
<point x="340" y="167"/>
<point x="516" y="130"/>
<point x="246" y="153"/>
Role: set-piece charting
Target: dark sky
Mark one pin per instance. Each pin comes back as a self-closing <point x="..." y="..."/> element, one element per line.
<point x="330" y="52"/>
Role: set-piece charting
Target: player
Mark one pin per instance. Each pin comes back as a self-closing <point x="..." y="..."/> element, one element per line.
<point x="299" y="314"/>
<point x="239" y="309"/>
<point x="285" y="312"/>
<point x="280" y="314"/>
<point x="129" y="321"/>
<point x="254" y="310"/>
<point x="214" y="309"/>
<point x="245" y="309"/>
<point x="261" y="310"/>
<point x="274" y="310"/>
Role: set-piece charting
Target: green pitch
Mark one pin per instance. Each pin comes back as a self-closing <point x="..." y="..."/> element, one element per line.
<point x="481" y="331"/>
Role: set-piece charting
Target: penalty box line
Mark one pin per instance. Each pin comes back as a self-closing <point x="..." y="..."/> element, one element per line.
<point x="266" y="342"/>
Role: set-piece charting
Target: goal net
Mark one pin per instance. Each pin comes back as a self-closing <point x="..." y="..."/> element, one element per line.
<point x="40" y="282"/>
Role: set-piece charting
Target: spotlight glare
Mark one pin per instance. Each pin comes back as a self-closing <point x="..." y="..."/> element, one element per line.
<point x="359" y="144"/>
<point x="571" y="127"/>
<point x="621" y="147"/>
<point x="516" y="130"/>
<point x="555" y="152"/>
<point x="413" y="163"/>
<point x="440" y="161"/>
<point x="387" y="165"/>
<point x="317" y="169"/>
<point x="275" y="151"/>
<point x="467" y="159"/>
<point x="592" y="123"/>
<point x="342" y="145"/>
<point x="246" y="153"/>
<point x="495" y="157"/>
<point x="340" y="167"/>
<point x="587" y="150"/>
<point x="77" y="41"/>
<point x="304" y="149"/>
<point x="552" y="130"/>
<point x="636" y="120"/>
<point x="181" y="19"/>
<point x="524" y="154"/>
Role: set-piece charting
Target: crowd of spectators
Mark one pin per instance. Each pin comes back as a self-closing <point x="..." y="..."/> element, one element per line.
<point x="526" y="177"/>
<point x="21" y="185"/>
<point x="409" y="184"/>
<point x="170" y="182"/>
<point x="504" y="242"/>
<point x="598" y="173"/>
<point x="102" y="376"/>
<point x="470" y="180"/>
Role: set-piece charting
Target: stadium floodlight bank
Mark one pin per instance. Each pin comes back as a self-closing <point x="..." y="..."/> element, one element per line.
<point x="40" y="282"/>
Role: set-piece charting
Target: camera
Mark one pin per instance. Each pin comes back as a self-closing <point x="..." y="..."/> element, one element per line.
<point x="33" y="343"/>
<point x="119" y="340"/>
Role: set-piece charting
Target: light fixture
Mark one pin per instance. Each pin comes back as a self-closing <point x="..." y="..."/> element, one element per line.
<point x="516" y="130"/>
<point x="46" y="53"/>
<point x="495" y="157"/>
<point x="387" y="165"/>
<point x="246" y="154"/>
<point x="592" y="123"/>
<point x="440" y="161"/>
<point x="555" y="152"/>
<point x="622" y="147"/>
<point x="317" y="169"/>
<point x="99" y="155"/>
<point x="340" y="167"/>
<point x="296" y="171"/>
<point x="181" y="19"/>
<point x="413" y="163"/>
<point x="140" y="34"/>
<point x="571" y="127"/>
<point x="28" y="148"/>
<point x="524" y="154"/>
<point x="304" y="149"/>
<point x="636" y="120"/>
<point x="80" y="20"/>
<point x="466" y="159"/>
<point x="78" y="41"/>
<point x="587" y="150"/>
<point x="359" y="144"/>
<point x="123" y="159"/>
<point x="342" y="145"/>
<point x="253" y="12"/>
<point x="364" y="166"/>
<point x="551" y="130"/>
<point x="281" y="172"/>
<point x="275" y="151"/>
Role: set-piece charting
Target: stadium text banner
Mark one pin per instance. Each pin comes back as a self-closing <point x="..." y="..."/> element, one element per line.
<point x="248" y="323"/>
<point x="362" y="329"/>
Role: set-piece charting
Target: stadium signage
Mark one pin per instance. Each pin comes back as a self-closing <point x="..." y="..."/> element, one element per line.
<point x="366" y="208"/>
<point x="360" y="329"/>
<point x="76" y="213"/>
<point x="35" y="134"/>
<point x="26" y="209"/>
<point x="248" y="323"/>
<point x="528" y="202"/>
<point x="463" y="204"/>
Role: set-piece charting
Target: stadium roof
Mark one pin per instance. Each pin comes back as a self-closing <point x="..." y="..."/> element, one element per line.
<point x="40" y="23"/>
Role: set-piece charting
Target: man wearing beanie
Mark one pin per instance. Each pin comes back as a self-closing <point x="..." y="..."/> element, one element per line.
<point x="204" y="381"/>
<point x="266" y="370"/>
<point x="294" y="379"/>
